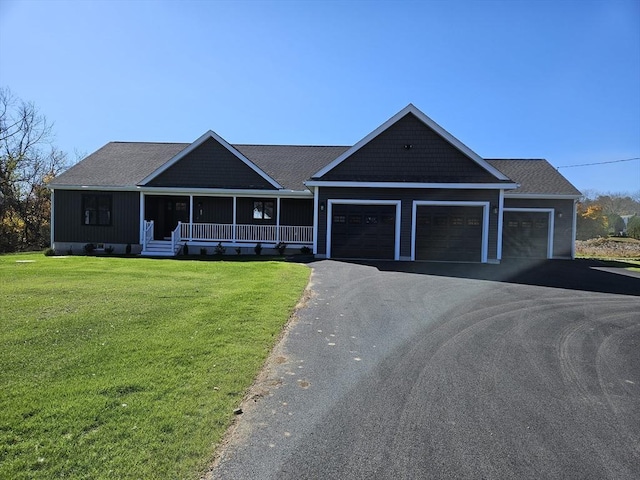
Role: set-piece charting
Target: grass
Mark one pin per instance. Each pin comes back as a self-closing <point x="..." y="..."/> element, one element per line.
<point x="130" y="368"/>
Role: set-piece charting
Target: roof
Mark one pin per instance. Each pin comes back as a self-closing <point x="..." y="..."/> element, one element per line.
<point x="535" y="176"/>
<point x="120" y="164"/>
<point x="127" y="164"/>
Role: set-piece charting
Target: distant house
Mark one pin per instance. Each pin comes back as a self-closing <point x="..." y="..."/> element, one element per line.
<point x="407" y="191"/>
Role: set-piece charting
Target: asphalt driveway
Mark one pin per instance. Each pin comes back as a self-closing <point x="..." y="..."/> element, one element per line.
<point x="403" y="371"/>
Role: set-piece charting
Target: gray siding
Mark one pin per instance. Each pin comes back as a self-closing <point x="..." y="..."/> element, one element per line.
<point x="563" y="226"/>
<point x="407" y="196"/>
<point x="431" y="159"/>
<point x="125" y="218"/>
<point x="213" y="210"/>
<point x="296" y="212"/>
<point x="210" y="165"/>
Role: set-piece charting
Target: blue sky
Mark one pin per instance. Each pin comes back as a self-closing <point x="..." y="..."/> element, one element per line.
<point x="554" y="79"/>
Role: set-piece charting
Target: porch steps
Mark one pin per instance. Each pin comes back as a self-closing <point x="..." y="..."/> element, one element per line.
<point x="158" y="248"/>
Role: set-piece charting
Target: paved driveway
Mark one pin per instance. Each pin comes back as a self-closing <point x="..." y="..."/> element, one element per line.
<point x="403" y="371"/>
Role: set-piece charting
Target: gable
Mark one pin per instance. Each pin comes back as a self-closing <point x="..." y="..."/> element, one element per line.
<point x="409" y="151"/>
<point x="211" y="165"/>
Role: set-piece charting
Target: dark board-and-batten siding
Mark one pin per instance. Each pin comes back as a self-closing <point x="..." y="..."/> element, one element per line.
<point x="125" y="218"/>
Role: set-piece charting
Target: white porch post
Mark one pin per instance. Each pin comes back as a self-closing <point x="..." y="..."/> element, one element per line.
<point x="142" y="219"/>
<point x="191" y="217"/>
<point x="278" y="220"/>
<point x="234" y="218"/>
<point x="315" y="220"/>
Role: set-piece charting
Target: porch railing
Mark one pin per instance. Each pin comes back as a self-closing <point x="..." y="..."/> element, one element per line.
<point x="223" y="232"/>
<point x="175" y="237"/>
<point x="148" y="234"/>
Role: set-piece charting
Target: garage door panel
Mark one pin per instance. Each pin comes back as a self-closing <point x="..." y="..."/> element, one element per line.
<point x="449" y="233"/>
<point x="525" y="235"/>
<point x="363" y="231"/>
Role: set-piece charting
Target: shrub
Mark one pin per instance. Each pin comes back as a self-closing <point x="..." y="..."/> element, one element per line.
<point x="633" y="227"/>
<point x="258" y="248"/>
<point x="203" y="251"/>
<point x="70" y="251"/>
<point x="128" y="249"/>
<point x="49" y="252"/>
<point x="109" y="250"/>
<point x="89" y="248"/>
<point x="185" y="250"/>
<point x="281" y="247"/>
<point x="305" y="250"/>
<point x="219" y="250"/>
<point x="238" y="250"/>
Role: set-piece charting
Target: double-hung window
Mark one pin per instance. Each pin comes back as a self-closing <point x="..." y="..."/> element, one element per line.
<point x="263" y="209"/>
<point x="96" y="209"/>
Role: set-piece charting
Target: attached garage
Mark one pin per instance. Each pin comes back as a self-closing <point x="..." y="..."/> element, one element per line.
<point x="363" y="230"/>
<point x="450" y="233"/>
<point x="527" y="234"/>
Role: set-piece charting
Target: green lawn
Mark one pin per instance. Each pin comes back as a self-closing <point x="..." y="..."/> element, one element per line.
<point x="127" y="367"/>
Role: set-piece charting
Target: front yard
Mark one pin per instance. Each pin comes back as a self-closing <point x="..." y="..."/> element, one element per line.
<point x="130" y="368"/>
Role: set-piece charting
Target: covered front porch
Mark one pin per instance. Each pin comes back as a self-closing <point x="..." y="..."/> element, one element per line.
<point x="172" y="221"/>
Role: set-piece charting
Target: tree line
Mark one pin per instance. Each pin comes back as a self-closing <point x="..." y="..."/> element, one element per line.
<point x="608" y="214"/>
<point x="28" y="160"/>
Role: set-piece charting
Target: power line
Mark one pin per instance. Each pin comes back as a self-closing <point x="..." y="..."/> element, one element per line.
<point x="598" y="163"/>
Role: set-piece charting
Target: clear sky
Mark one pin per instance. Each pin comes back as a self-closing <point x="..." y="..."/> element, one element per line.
<point x="554" y="79"/>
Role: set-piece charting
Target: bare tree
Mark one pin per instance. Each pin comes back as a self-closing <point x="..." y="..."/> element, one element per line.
<point x="28" y="160"/>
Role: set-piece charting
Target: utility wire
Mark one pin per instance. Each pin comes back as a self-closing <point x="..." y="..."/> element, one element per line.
<point x="598" y="163"/>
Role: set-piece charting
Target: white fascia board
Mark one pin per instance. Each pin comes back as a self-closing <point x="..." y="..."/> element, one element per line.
<point x="456" y="186"/>
<point x="226" y="192"/>
<point x="200" y="141"/>
<point x="190" y="191"/>
<point x="541" y="196"/>
<point x="108" y="188"/>
<point x="427" y="121"/>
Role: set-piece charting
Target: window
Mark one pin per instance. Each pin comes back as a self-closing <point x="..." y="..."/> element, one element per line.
<point x="473" y="221"/>
<point x="339" y="219"/>
<point x="371" y="220"/>
<point x="457" y="221"/>
<point x="355" y="219"/>
<point x="96" y="209"/>
<point x="263" y="209"/>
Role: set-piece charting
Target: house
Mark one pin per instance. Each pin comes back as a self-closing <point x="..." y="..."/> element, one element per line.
<point x="407" y="191"/>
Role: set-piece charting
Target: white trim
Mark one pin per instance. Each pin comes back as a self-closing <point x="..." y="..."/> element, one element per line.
<point x="541" y="196"/>
<point x="427" y="121"/>
<point x="484" y="254"/>
<point x="452" y="186"/>
<point x="51" y="221"/>
<point x="278" y="220"/>
<point x="397" y="203"/>
<point x="500" y="225"/>
<point x="142" y="219"/>
<point x="316" y="218"/>
<point x="206" y="136"/>
<point x="235" y="216"/>
<point x="188" y="190"/>
<point x="550" y="228"/>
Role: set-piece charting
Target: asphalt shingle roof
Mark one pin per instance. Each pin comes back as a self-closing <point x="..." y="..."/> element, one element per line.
<point x="535" y="176"/>
<point x="126" y="164"/>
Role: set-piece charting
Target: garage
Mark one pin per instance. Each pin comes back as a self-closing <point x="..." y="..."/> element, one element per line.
<point x="449" y="233"/>
<point x="525" y="234"/>
<point x="363" y="231"/>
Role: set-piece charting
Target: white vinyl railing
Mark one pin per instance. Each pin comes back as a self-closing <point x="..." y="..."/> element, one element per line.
<point x="175" y="237"/>
<point x="223" y="232"/>
<point x="148" y="234"/>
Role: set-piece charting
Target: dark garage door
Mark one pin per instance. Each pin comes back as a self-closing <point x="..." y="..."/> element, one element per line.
<point x="449" y="234"/>
<point x="363" y="231"/>
<point x="525" y="235"/>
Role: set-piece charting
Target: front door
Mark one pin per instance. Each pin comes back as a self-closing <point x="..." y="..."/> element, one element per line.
<point x="166" y="212"/>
